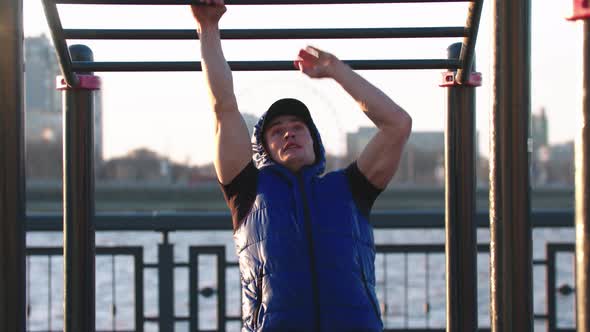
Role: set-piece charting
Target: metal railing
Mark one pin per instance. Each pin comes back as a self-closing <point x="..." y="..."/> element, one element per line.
<point x="54" y="255"/>
<point x="210" y="276"/>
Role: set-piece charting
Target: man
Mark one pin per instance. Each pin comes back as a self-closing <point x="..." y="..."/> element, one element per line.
<point x="304" y="243"/>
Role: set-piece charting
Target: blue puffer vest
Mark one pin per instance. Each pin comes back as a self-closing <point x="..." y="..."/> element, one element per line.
<point x="306" y="254"/>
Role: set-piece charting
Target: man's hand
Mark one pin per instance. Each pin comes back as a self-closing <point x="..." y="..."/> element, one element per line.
<point x="208" y="12"/>
<point x="316" y="63"/>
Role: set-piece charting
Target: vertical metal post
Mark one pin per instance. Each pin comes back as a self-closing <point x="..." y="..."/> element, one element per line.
<point x="460" y="225"/>
<point x="12" y="174"/>
<point x="166" y="285"/>
<point x="582" y="197"/>
<point x="78" y="192"/>
<point x="221" y="268"/>
<point x="510" y="228"/>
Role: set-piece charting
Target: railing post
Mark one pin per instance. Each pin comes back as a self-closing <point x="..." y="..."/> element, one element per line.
<point x="78" y="201"/>
<point x="166" y="285"/>
<point x="12" y="174"/>
<point x="511" y="288"/>
<point x="582" y="12"/>
<point x="460" y="225"/>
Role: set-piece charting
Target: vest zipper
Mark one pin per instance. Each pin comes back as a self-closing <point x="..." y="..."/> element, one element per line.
<point x="309" y="233"/>
<point x="258" y="299"/>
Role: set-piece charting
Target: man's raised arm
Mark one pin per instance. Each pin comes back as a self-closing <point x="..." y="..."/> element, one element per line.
<point x="380" y="158"/>
<point x="232" y="142"/>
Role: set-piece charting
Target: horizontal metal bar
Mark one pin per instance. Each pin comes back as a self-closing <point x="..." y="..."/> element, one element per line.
<point x="258" y="65"/>
<point x="104" y="251"/>
<point x="44" y="251"/>
<point x="561" y="246"/>
<point x="417" y="330"/>
<point x="435" y="219"/>
<point x="386" y="249"/>
<point x="184" y="221"/>
<point x="420" y="248"/>
<point x="131" y="34"/>
<point x="247" y="2"/>
<point x="160" y="222"/>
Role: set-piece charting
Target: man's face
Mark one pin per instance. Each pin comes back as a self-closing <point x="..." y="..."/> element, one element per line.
<point x="289" y="142"/>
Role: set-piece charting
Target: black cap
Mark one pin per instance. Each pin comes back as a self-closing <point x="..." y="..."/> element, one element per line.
<point x="287" y="106"/>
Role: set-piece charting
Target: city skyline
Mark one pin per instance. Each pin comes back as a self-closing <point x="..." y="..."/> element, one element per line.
<point x="169" y="112"/>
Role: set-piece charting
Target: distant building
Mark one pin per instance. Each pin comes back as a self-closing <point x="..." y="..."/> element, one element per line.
<point x="422" y="161"/>
<point x="43" y="122"/>
<point x="146" y="166"/>
<point x="139" y="165"/>
<point x="42" y="100"/>
<point x="43" y="112"/>
<point x="40" y="71"/>
<point x="356" y="142"/>
<point x="540" y="128"/>
<point x="540" y="149"/>
<point x="560" y="166"/>
<point x="551" y="165"/>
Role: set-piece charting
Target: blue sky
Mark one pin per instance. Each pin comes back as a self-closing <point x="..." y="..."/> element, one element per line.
<point x="168" y="112"/>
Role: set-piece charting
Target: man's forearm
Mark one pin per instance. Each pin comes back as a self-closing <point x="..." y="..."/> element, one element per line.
<point x="378" y="107"/>
<point x="215" y="68"/>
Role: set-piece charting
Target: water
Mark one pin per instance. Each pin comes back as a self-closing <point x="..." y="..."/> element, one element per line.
<point x="400" y="309"/>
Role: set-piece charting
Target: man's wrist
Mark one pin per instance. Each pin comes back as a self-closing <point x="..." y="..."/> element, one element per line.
<point x="338" y="69"/>
<point x="207" y="28"/>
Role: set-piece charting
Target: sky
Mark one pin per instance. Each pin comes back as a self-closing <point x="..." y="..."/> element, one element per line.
<point x="169" y="112"/>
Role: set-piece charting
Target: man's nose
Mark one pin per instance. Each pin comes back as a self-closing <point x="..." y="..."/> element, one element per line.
<point x="289" y="134"/>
